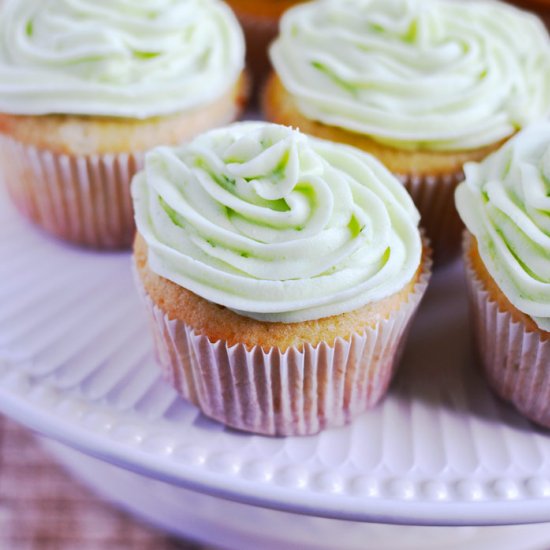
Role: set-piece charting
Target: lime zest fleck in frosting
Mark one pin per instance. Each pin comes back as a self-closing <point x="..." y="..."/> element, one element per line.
<point x="121" y="58"/>
<point x="441" y="75"/>
<point x="505" y="204"/>
<point x="276" y="225"/>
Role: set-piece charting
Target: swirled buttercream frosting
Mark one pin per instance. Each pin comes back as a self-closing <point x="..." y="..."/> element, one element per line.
<point x="441" y="75"/>
<point x="276" y="225"/>
<point x="122" y="58"/>
<point x="505" y="203"/>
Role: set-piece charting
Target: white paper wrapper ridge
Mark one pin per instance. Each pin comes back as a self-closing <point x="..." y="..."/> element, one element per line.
<point x="296" y="392"/>
<point x="516" y="361"/>
<point x="82" y="199"/>
<point x="434" y="198"/>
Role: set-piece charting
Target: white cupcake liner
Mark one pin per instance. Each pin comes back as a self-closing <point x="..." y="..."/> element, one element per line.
<point x="515" y="360"/>
<point x="295" y="392"/>
<point x="434" y="198"/>
<point x="82" y="199"/>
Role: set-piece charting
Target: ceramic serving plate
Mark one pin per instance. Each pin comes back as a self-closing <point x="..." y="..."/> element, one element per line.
<point x="76" y="364"/>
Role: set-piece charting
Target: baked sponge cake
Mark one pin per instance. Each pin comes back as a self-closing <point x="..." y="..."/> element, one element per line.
<point x="505" y="204"/>
<point x="88" y="87"/>
<point x="424" y="85"/>
<point x="280" y="274"/>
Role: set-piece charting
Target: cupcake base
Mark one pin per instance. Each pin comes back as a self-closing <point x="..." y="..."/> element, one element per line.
<point x="513" y="352"/>
<point x="294" y="390"/>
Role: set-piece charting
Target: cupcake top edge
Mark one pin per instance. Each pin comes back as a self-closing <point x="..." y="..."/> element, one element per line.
<point x="122" y="58"/>
<point x="505" y="204"/>
<point x="276" y="225"/>
<point x="439" y="75"/>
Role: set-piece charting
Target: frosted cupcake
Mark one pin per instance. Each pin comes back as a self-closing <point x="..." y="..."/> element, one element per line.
<point x="280" y="273"/>
<point x="87" y="87"/>
<point x="424" y="85"/>
<point x="505" y="204"/>
<point x="260" y="21"/>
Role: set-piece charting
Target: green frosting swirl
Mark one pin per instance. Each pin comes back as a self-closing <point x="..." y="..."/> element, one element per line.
<point x="276" y="225"/>
<point x="123" y="58"/>
<point x="442" y="75"/>
<point x="505" y="203"/>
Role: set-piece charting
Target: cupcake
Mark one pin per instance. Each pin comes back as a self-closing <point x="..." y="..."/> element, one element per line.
<point x="505" y="204"/>
<point x="280" y="274"/>
<point x="260" y="21"/>
<point x="87" y="87"/>
<point x="424" y="85"/>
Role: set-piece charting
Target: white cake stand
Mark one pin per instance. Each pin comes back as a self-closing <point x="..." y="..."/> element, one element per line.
<point x="76" y="364"/>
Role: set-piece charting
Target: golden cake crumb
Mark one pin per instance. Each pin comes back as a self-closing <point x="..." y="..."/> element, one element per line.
<point x="89" y="135"/>
<point x="220" y="323"/>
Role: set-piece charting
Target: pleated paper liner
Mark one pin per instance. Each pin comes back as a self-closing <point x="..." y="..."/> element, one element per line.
<point x="81" y="199"/>
<point x="433" y="195"/>
<point x="515" y="360"/>
<point x="295" y="392"/>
